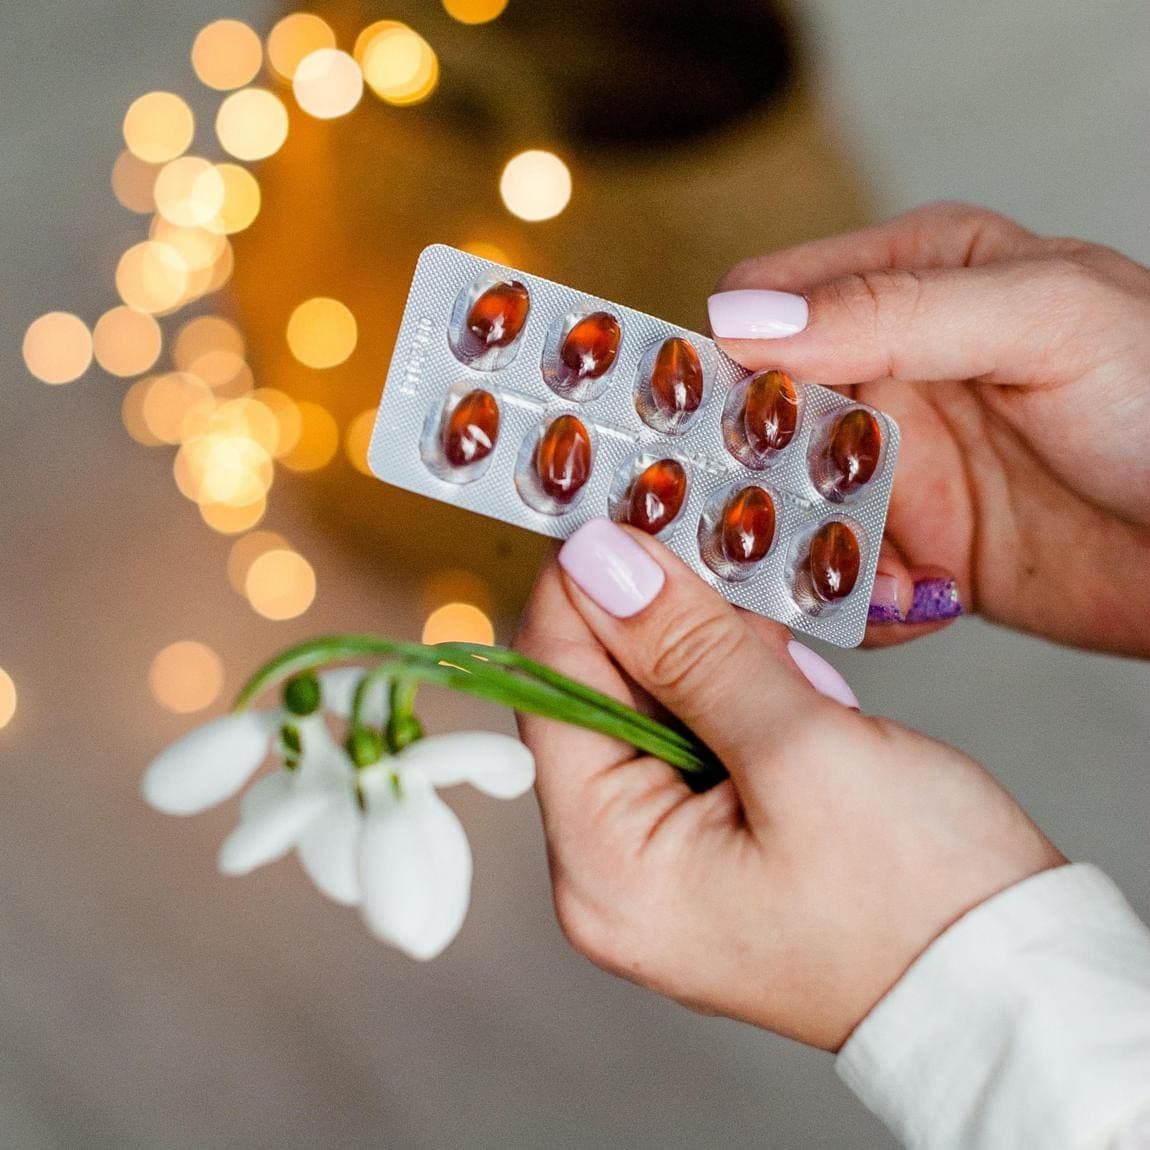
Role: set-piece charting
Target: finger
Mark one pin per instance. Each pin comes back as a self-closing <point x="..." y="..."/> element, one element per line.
<point x="571" y="760"/>
<point x="733" y="686"/>
<point x="926" y="600"/>
<point x="1006" y="323"/>
<point x="937" y="235"/>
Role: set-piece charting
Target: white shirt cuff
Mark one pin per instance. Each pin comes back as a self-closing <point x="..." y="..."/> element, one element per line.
<point x="1026" y="1023"/>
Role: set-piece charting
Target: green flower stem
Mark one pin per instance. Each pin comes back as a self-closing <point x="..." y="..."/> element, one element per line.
<point x="500" y="676"/>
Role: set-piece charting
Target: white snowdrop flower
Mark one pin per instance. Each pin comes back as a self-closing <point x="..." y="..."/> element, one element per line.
<point x="414" y="857"/>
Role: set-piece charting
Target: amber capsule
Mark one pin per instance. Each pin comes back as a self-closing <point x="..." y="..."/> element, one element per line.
<point x="677" y="378"/>
<point x="471" y="429"/>
<point x="771" y="415"/>
<point x="852" y="451"/>
<point x="747" y="527"/>
<point x="498" y="314"/>
<point x="589" y="348"/>
<point x="563" y="458"/>
<point x="834" y="561"/>
<point x="656" y="496"/>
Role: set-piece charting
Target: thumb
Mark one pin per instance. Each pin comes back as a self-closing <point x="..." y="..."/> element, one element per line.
<point x="734" y="685"/>
<point x="1007" y="322"/>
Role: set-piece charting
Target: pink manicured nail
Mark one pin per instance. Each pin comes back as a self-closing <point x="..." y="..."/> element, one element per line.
<point x="821" y="675"/>
<point x="756" y="314"/>
<point x="611" y="568"/>
<point x="884" y="606"/>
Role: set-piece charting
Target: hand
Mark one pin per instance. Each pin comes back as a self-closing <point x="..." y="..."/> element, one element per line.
<point x="1024" y="470"/>
<point x="792" y="895"/>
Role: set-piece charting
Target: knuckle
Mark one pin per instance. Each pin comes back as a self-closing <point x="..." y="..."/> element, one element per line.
<point x="583" y="927"/>
<point x="689" y="647"/>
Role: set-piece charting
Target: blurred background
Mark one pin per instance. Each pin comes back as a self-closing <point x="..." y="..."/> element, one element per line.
<point x="202" y="265"/>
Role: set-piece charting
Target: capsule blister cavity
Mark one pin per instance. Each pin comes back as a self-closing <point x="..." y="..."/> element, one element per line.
<point x="580" y="353"/>
<point x="671" y="385"/>
<point x="461" y="433"/>
<point x="826" y="563"/>
<point x="761" y="416"/>
<point x="488" y="321"/>
<point x="650" y="493"/>
<point x="554" y="464"/>
<point x="737" y="530"/>
<point x="846" y="453"/>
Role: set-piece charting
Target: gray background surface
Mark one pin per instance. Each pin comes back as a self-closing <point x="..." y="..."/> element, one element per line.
<point x="144" y="1001"/>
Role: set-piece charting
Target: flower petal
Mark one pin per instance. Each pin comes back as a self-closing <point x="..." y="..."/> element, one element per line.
<point x="210" y="763"/>
<point x="272" y="832"/>
<point x="339" y="686"/>
<point x="496" y="764"/>
<point x="328" y="849"/>
<point x="414" y="871"/>
<point x="264" y="792"/>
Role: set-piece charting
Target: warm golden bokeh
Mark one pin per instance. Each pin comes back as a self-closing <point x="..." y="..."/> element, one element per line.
<point x="152" y="277"/>
<point x="226" y="54"/>
<point x="126" y="342"/>
<point x="132" y="413"/>
<point x="318" y="439"/>
<point x="322" y="332"/>
<point x="241" y="200"/>
<point x="357" y="439"/>
<point x="454" y="585"/>
<point x="399" y="65"/>
<point x="246" y="550"/>
<point x="535" y="185"/>
<point x="228" y="520"/>
<point x="252" y="124"/>
<point x="7" y="698"/>
<point x="289" y="422"/>
<point x="474" y="11"/>
<point x="223" y="468"/>
<point x="189" y="192"/>
<point x="57" y="347"/>
<point x="206" y="333"/>
<point x="280" y="584"/>
<point x="295" y="37"/>
<point x="458" y="623"/>
<point x="487" y="251"/>
<point x="167" y="401"/>
<point x="133" y="182"/>
<point x="186" y="676"/>
<point x="158" y="127"/>
<point x="327" y="84"/>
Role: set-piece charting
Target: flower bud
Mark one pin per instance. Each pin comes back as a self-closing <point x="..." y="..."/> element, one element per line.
<point x="365" y="746"/>
<point x="302" y="694"/>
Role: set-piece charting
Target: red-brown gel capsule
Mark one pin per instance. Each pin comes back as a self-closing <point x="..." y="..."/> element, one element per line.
<point x="563" y="458"/>
<point x="747" y="528"/>
<point x="772" y="411"/>
<point x="471" y="429"/>
<point x="656" y="496"/>
<point x="498" y="314"/>
<point x="852" y="451"/>
<point x="590" y="347"/>
<point x="834" y="561"/>
<point x="677" y="378"/>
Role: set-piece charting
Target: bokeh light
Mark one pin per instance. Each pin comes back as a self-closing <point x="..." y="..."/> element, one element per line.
<point x="486" y="251"/>
<point x="241" y="200"/>
<point x="57" y="347"/>
<point x="228" y="520"/>
<point x="231" y="469"/>
<point x="246" y="550"/>
<point x="327" y="84"/>
<point x="322" y="332"/>
<point x="167" y="401"/>
<point x="318" y="439"/>
<point x="226" y="54"/>
<point x="126" y="342"/>
<point x="7" y="698"/>
<point x="285" y="411"/>
<point x="357" y="439"/>
<point x="535" y="185"/>
<point x="295" y="37"/>
<point x="186" y="676"/>
<point x="454" y="585"/>
<point x="458" y="623"/>
<point x="189" y="192"/>
<point x="152" y="277"/>
<point x="133" y="182"/>
<point x="132" y="413"/>
<point x="280" y="584"/>
<point x="205" y="333"/>
<point x="474" y="11"/>
<point x="399" y="65"/>
<point x="158" y="127"/>
<point x="252" y="124"/>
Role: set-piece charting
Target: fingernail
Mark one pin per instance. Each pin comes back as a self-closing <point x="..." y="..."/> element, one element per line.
<point x="884" y="606"/>
<point x="934" y="600"/>
<point x="611" y="568"/>
<point x="821" y="675"/>
<point x="756" y="314"/>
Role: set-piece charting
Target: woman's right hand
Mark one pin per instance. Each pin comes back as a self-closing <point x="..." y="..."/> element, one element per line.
<point x="1018" y="369"/>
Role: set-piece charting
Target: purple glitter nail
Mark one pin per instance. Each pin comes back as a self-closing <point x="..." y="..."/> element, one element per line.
<point x="883" y="613"/>
<point x="934" y="600"/>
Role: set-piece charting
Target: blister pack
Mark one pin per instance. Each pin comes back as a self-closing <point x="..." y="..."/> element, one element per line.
<point x="542" y="406"/>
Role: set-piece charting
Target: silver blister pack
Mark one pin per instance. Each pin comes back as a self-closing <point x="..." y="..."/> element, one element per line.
<point x="517" y="375"/>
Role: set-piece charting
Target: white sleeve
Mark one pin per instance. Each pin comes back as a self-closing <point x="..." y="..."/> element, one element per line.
<point x="1025" y="1024"/>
